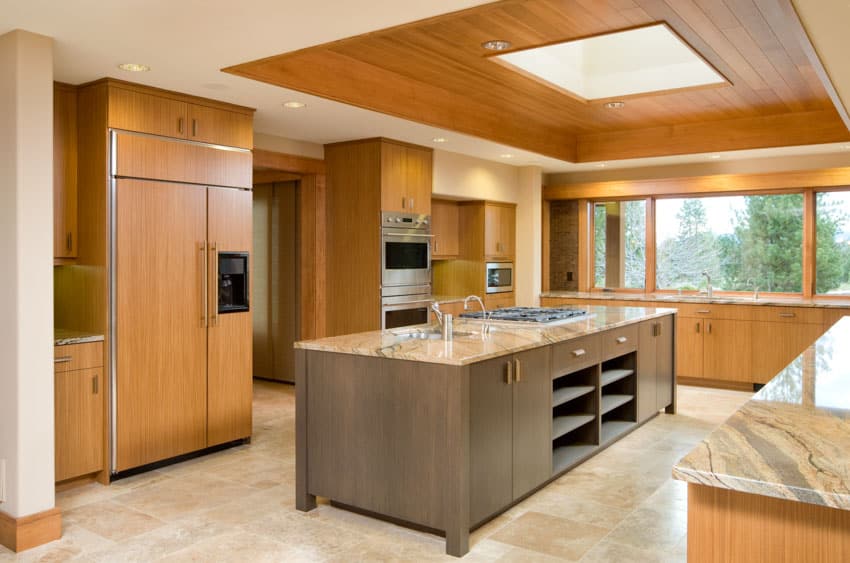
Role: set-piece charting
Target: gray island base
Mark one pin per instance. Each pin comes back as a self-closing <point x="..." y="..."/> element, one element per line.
<point x="444" y="436"/>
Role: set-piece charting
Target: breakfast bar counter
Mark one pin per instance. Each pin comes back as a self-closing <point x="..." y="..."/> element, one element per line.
<point x="773" y="482"/>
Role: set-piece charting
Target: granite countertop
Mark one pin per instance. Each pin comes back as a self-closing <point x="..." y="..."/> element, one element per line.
<point x="63" y="336"/>
<point x="448" y="298"/>
<point x="792" y="440"/>
<point x="826" y="303"/>
<point x="505" y="338"/>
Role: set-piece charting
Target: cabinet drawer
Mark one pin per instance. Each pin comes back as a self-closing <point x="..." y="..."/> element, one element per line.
<point x="711" y="310"/>
<point x="77" y="356"/>
<point x="805" y="315"/>
<point x="619" y="341"/>
<point x="499" y="301"/>
<point x="574" y="355"/>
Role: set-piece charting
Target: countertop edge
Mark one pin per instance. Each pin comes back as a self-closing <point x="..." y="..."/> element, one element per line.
<point x="766" y="302"/>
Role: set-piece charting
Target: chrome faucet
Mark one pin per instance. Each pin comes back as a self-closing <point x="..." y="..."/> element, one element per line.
<point x="708" y="289"/>
<point x="751" y="282"/>
<point x="485" y="329"/>
<point x="435" y="306"/>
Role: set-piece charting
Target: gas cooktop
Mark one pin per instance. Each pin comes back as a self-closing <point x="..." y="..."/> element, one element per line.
<point x="530" y="314"/>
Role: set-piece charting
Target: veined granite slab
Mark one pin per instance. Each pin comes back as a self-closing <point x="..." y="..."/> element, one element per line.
<point x="672" y="298"/>
<point x="63" y="337"/>
<point x="792" y="440"/>
<point x="505" y="338"/>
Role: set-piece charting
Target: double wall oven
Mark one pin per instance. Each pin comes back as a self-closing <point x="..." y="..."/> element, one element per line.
<point x="405" y="269"/>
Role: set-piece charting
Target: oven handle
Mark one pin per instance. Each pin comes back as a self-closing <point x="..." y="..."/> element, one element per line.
<point x="402" y="235"/>
<point x="426" y="302"/>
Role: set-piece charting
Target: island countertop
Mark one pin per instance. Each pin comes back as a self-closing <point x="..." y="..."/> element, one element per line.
<point x="63" y="337"/>
<point x="505" y="338"/>
<point x="792" y="440"/>
<point x="673" y="299"/>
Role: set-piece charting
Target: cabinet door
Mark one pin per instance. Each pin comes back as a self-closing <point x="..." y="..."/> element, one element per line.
<point x="394" y="178"/>
<point x="727" y="352"/>
<point x="229" y="390"/>
<point x="419" y="171"/>
<point x="664" y="363"/>
<point x="492" y="231"/>
<point x="647" y="371"/>
<point x="490" y="438"/>
<point x="78" y="410"/>
<point x="161" y="339"/>
<point x="220" y="127"/>
<point x="64" y="173"/>
<point x="775" y="345"/>
<point x="689" y="347"/>
<point x="532" y="435"/>
<point x="147" y="113"/>
<point x="499" y="301"/>
<point x="507" y="230"/>
<point x="444" y="227"/>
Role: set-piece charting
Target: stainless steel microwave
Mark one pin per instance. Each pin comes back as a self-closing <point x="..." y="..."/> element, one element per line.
<point x="500" y="277"/>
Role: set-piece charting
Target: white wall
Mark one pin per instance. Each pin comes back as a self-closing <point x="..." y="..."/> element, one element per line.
<point x="459" y="176"/>
<point x="26" y="244"/>
<point x="288" y="146"/>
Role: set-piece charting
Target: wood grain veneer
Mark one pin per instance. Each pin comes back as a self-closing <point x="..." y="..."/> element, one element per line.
<point x="79" y="422"/>
<point x="26" y="532"/>
<point x="64" y="171"/>
<point x="213" y="125"/>
<point x="444" y="227"/>
<point x="82" y="356"/>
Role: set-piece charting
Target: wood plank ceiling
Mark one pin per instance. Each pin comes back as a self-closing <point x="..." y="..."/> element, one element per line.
<point x="436" y="72"/>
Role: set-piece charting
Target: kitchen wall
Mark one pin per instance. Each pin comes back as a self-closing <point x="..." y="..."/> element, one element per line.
<point x="26" y="244"/>
<point x="288" y="146"/>
<point x="459" y="176"/>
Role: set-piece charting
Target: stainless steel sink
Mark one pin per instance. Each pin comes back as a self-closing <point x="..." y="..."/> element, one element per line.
<point x="429" y="334"/>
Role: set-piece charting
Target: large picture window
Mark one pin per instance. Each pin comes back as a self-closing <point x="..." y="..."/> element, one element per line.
<point x="833" y="243"/>
<point x="742" y="242"/>
<point x="619" y="240"/>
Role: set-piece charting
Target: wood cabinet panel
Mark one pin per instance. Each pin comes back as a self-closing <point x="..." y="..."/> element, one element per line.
<point x="576" y="354"/>
<point x="220" y="127"/>
<point x="647" y="372"/>
<point x="147" y="113"/>
<point x="394" y="178"/>
<point x="79" y="423"/>
<point x="665" y="354"/>
<point x="499" y="231"/>
<point x="78" y="356"/>
<point x="495" y="301"/>
<point x="794" y="315"/>
<point x="532" y="420"/>
<point x="64" y="171"/>
<point x="775" y="345"/>
<point x="161" y="351"/>
<point x="444" y="227"/>
<point x="229" y="363"/>
<point x="619" y="341"/>
<point x="689" y="347"/>
<point x="420" y="168"/>
<point x="727" y="350"/>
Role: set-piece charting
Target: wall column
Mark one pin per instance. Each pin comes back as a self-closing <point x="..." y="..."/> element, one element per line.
<point x="27" y="517"/>
<point x="529" y="243"/>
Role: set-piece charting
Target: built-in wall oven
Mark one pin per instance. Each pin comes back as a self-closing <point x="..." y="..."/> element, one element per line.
<point x="500" y="277"/>
<point x="405" y="269"/>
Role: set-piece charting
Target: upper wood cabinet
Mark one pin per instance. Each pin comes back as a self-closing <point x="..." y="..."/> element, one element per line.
<point x="499" y="230"/>
<point x="444" y="227"/>
<point x="64" y="172"/>
<point x="135" y="108"/>
<point x="406" y="178"/>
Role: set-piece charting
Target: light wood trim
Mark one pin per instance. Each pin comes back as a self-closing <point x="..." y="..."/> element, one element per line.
<point x="27" y="532"/>
<point x="714" y="383"/>
<point x="585" y="245"/>
<point x="809" y="243"/>
<point x="82" y="356"/>
<point x="649" y="251"/>
<point x="725" y="525"/>
<point x="546" y="237"/>
<point x="287" y="162"/>
<point x="161" y="159"/>
<point x="727" y="184"/>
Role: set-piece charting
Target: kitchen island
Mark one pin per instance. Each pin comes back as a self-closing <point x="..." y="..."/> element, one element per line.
<point x="773" y="482"/>
<point x="445" y="435"/>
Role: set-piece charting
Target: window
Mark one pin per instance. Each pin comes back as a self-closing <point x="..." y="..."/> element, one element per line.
<point x="742" y="242"/>
<point x="832" y="214"/>
<point x="620" y="244"/>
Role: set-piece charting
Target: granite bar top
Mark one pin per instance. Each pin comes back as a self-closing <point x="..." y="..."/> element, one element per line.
<point x="505" y="338"/>
<point x="792" y="440"/>
<point x="63" y="336"/>
<point x="448" y="298"/>
<point x="672" y="298"/>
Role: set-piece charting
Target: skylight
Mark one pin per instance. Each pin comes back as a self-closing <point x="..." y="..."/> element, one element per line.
<point x="624" y="63"/>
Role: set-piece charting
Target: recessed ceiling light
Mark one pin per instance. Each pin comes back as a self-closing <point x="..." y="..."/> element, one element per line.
<point x="615" y="105"/>
<point x="134" y="67"/>
<point x="506" y="155"/>
<point x="440" y="140"/>
<point x="714" y="157"/>
<point x="601" y="165"/>
<point x="294" y="105"/>
<point x="497" y="45"/>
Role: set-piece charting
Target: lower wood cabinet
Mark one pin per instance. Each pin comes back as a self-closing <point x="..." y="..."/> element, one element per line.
<point x="655" y="367"/>
<point x="510" y="433"/>
<point x="775" y="345"/>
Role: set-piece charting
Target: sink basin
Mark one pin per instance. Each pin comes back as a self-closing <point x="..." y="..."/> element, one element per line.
<point x="429" y="334"/>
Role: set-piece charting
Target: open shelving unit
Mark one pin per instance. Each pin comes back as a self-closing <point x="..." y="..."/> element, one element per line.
<point x="618" y="385"/>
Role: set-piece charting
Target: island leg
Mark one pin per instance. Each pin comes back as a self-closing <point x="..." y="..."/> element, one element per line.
<point x="456" y="491"/>
<point x="304" y="501"/>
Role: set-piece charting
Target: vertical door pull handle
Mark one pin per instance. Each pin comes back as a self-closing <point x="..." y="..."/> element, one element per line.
<point x="709" y="328"/>
<point x="698" y="327"/>
<point x="404" y="202"/>
<point x="214" y="288"/>
<point x="412" y="203"/>
<point x="94" y="385"/>
<point x="518" y="370"/>
<point x="204" y="297"/>
<point x="69" y="241"/>
<point x="194" y="127"/>
<point x="509" y="373"/>
<point x="180" y="125"/>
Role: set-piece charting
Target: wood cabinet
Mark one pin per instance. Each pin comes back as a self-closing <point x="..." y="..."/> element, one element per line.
<point x="775" y="345"/>
<point x="148" y="110"/>
<point x="406" y="178"/>
<point x="495" y="301"/>
<point x="64" y="172"/>
<point x="655" y="375"/>
<point x="727" y="349"/>
<point x="499" y="231"/>
<point x="444" y="227"/>
<point x="689" y="347"/>
<point x="78" y="410"/>
<point x="510" y="432"/>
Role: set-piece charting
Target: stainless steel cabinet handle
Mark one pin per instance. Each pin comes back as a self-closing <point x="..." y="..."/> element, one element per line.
<point x="194" y="127"/>
<point x="698" y="326"/>
<point x="709" y="328"/>
<point x="412" y="204"/>
<point x="621" y="339"/>
<point x="435" y="246"/>
<point x="404" y="203"/>
<point x="95" y="386"/>
<point x="704" y="311"/>
<point x="62" y="359"/>
<point x="787" y="315"/>
<point x="214" y="288"/>
<point x="509" y="373"/>
<point x="69" y="241"/>
<point x="204" y="281"/>
<point x="180" y="125"/>
<point x="518" y="371"/>
<point x="579" y="353"/>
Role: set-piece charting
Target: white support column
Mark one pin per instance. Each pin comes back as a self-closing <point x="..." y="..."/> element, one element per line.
<point x="529" y="242"/>
<point x="26" y="248"/>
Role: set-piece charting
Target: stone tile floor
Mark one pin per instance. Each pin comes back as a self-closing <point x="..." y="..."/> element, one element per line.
<point x="238" y="505"/>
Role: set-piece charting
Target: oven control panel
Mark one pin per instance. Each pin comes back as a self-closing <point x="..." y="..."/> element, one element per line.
<point x="405" y="220"/>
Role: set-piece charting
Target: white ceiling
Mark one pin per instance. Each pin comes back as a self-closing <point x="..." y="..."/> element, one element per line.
<point x="187" y="42"/>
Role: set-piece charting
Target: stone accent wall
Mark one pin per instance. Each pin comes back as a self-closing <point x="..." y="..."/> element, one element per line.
<point x="563" y="257"/>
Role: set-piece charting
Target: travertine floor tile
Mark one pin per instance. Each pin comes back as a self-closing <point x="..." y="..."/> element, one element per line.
<point x="111" y="520"/>
<point x="551" y="535"/>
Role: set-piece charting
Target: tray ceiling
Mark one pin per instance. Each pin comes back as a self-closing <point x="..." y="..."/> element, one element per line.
<point x="436" y="72"/>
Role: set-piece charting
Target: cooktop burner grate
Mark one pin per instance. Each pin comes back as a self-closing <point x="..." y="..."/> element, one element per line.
<point x="530" y="314"/>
